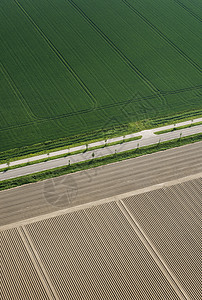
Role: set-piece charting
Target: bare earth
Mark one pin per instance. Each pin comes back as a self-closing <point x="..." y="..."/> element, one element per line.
<point x="36" y="199"/>
<point x="141" y="243"/>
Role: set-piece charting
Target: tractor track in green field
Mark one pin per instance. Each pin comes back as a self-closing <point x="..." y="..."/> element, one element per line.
<point x="124" y="58"/>
<point x="158" y="94"/>
<point x="193" y="88"/>
<point x="188" y="10"/>
<point x="16" y="92"/>
<point x="60" y="57"/>
<point x="123" y="103"/>
<point x="163" y="36"/>
<point x="75" y="70"/>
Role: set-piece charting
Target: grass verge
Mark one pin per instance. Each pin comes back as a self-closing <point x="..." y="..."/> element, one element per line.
<point x="69" y="153"/>
<point x="94" y="136"/>
<point x="96" y="162"/>
<point x="178" y="128"/>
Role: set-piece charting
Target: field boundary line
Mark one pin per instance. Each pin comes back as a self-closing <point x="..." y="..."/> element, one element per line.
<point x="101" y="201"/>
<point x="163" y="36"/>
<point x="184" y="90"/>
<point x="18" y="94"/>
<point x="124" y="58"/>
<point x="82" y="37"/>
<point x="188" y="10"/>
<point x="60" y="56"/>
<point x="80" y="112"/>
<point x="37" y="263"/>
<point x="150" y="97"/>
<point x="153" y="252"/>
<point x="60" y="117"/>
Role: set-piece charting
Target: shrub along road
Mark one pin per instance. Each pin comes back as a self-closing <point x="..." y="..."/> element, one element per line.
<point x="144" y="134"/>
<point x="148" y="138"/>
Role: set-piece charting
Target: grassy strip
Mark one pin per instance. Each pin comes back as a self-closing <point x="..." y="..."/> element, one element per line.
<point x="178" y="128"/>
<point x="9" y="157"/>
<point x="40" y="161"/>
<point x="122" y="141"/>
<point x="176" y="118"/>
<point x="68" y="154"/>
<point x="91" y="137"/>
<point x="96" y="162"/>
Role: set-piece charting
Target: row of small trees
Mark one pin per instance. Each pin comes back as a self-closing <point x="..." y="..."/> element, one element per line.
<point x="93" y="154"/>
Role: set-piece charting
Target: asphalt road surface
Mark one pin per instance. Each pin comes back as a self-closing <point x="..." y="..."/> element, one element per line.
<point x="144" y="134"/>
<point x="106" y="181"/>
<point x="148" y="138"/>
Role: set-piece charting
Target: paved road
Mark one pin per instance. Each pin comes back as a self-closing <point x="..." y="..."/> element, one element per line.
<point x="145" y="134"/>
<point x="98" y="183"/>
<point x="148" y="138"/>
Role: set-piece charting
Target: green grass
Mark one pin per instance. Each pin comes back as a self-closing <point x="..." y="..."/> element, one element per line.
<point x="96" y="162"/>
<point x="72" y="70"/>
<point x="68" y="154"/>
<point x="178" y="128"/>
<point x="78" y="140"/>
<point x="125" y="140"/>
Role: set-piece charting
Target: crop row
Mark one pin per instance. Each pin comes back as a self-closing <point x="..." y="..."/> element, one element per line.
<point x="100" y="251"/>
<point x="71" y="66"/>
<point x="170" y="219"/>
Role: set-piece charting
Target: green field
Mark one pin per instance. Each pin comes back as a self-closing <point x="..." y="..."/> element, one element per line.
<point x="73" y="67"/>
